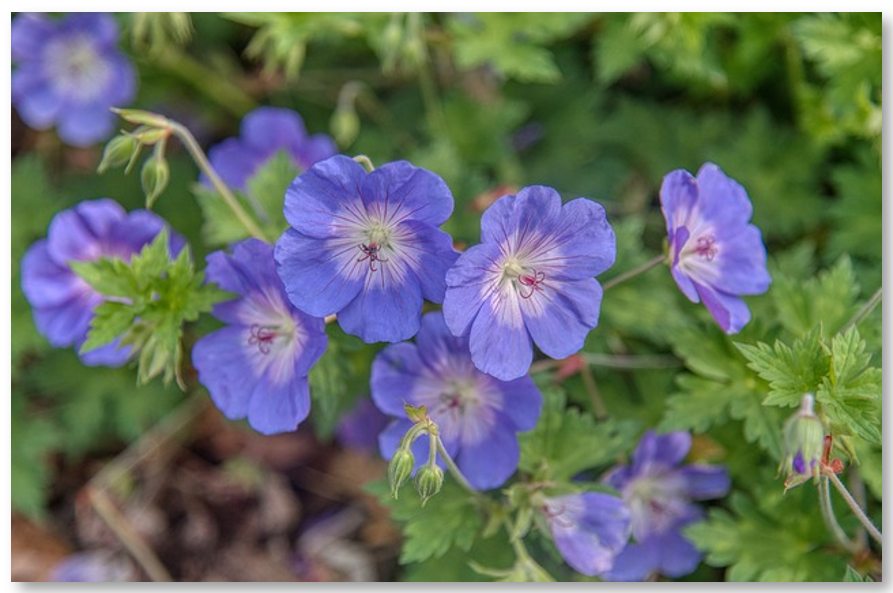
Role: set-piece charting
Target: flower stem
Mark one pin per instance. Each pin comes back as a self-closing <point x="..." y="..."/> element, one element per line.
<point x="634" y="272"/>
<point x="365" y="161"/>
<point x="857" y="510"/>
<point x="866" y="309"/>
<point x="831" y="519"/>
<point x="454" y="469"/>
<point x="195" y="151"/>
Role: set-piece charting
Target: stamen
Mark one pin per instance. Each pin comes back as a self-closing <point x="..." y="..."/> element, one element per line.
<point x="530" y="283"/>
<point x="555" y="515"/>
<point x="371" y="252"/>
<point x="262" y="336"/>
<point x="705" y="247"/>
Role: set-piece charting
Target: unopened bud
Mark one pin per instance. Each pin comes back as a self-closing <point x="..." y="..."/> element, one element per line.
<point x="804" y="441"/>
<point x="154" y="177"/>
<point x="117" y="152"/>
<point x="138" y="116"/>
<point x="428" y="481"/>
<point x="400" y="468"/>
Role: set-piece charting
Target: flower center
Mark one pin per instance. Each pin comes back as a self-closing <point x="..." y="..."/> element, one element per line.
<point x="77" y="69"/>
<point x="705" y="246"/>
<point x="263" y="337"/>
<point x="456" y="398"/>
<point x="378" y="236"/>
<point x="525" y="280"/>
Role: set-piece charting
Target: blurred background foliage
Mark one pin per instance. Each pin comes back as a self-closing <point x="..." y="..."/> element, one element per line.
<point x="596" y="105"/>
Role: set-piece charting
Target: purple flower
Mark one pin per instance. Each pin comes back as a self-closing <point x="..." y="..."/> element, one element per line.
<point x="257" y="365"/>
<point x="264" y="132"/>
<point x="69" y="72"/>
<point x="589" y="529"/>
<point x="92" y="567"/>
<point x="478" y="416"/>
<point x="359" y="428"/>
<point x="61" y="301"/>
<point x="366" y="246"/>
<point x="530" y="280"/>
<point x="717" y="254"/>
<point x="659" y="495"/>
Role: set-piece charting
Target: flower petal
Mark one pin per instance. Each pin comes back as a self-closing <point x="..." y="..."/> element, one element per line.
<point x="560" y="317"/>
<point x="399" y="191"/>
<point x="387" y="308"/>
<point x="499" y="342"/>
<point x="470" y="281"/>
<point x="729" y="311"/>
<point x="46" y="283"/>
<point x="110" y="355"/>
<point x="678" y="197"/>
<point x="492" y="460"/>
<point x="320" y="276"/>
<point x="435" y="341"/>
<point x="268" y="129"/>
<point x="590" y="530"/>
<point x="394" y="371"/>
<point x="668" y="449"/>
<point x="429" y="253"/>
<point x="705" y="482"/>
<point x="28" y="34"/>
<point x="324" y="201"/>
<point x="68" y="323"/>
<point x="223" y="368"/>
<point x="77" y="233"/>
<point x="277" y="407"/>
<point x="314" y="149"/>
<point x="581" y="243"/>
<point x="530" y="214"/>
<point x="721" y="199"/>
<point x="233" y="162"/>
<point x="741" y="263"/>
<point x="522" y="400"/>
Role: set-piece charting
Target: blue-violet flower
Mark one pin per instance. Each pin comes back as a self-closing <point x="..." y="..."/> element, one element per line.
<point x="61" y="301"/>
<point x="716" y="253"/>
<point x="659" y="494"/>
<point x="366" y="246"/>
<point x="478" y="416"/>
<point x="359" y="428"/>
<point x="589" y="529"/>
<point x="264" y="132"/>
<point x="256" y="366"/>
<point x="68" y="73"/>
<point x="530" y="280"/>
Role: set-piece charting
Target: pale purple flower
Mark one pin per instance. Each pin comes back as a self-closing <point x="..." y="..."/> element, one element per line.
<point x="61" y="301"/>
<point x="717" y="254"/>
<point x="359" y="428"/>
<point x="589" y="529"/>
<point x="92" y="567"/>
<point x="265" y="132"/>
<point x="478" y="415"/>
<point x="256" y="366"/>
<point x="68" y="73"/>
<point x="660" y="495"/>
<point x="530" y="280"/>
<point x="366" y="245"/>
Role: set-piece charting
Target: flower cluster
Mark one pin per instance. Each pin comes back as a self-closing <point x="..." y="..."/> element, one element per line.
<point x="69" y="72"/>
<point x="61" y="301"/>
<point x="716" y="253"/>
<point x="659" y="495"/>
<point x="264" y="132"/>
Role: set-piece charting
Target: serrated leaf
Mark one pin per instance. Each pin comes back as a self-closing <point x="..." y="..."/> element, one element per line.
<point x="566" y="441"/>
<point x="827" y="300"/>
<point x="700" y="404"/>
<point x="852" y="576"/>
<point x="108" y="276"/>
<point x="449" y="520"/>
<point x="110" y="320"/>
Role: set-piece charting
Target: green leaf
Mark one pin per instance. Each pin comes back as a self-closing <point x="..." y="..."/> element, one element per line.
<point x="33" y="440"/>
<point x="828" y="299"/>
<point x="110" y="320"/>
<point x="447" y="522"/>
<point x="851" y="395"/>
<point x="566" y="441"/>
<point x="852" y="576"/>
<point x="790" y="371"/>
<point x="108" y="276"/>
<point x="698" y="405"/>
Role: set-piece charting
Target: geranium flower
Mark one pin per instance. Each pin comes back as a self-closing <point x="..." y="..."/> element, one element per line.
<point x="478" y="416"/>
<point x="61" y="301"/>
<point x="256" y="366"/>
<point x="265" y="132"/>
<point x="68" y="73"/>
<point x="530" y="280"/>
<point x="659" y="494"/>
<point x="359" y="428"/>
<point x="589" y="529"/>
<point x="366" y="246"/>
<point x="717" y="254"/>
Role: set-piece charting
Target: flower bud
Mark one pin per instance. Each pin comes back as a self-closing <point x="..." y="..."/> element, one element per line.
<point x="117" y="152"/>
<point x="428" y="481"/>
<point x="400" y="469"/>
<point x="804" y="440"/>
<point x="154" y="177"/>
<point x="138" y="116"/>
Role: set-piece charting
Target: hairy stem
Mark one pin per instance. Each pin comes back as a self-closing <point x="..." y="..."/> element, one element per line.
<point x="198" y="155"/>
<point x="865" y="311"/>
<point x="873" y="531"/>
<point x="831" y="520"/>
<point x="454" y="469"/>
<point x="634" y="272"/>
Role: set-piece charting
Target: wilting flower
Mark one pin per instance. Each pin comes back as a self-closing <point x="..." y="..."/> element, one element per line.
<point x="589" y="529"/>
<point x="717" y="254"/>
<point x="366" y="246"/>
<point x="62" y="302"/>
<point x="265" y="132"/>
<point x="359" y="428"/>
<point x="659" y="495"/>
<point x="69" y="72"/>
<point x="256" y="366"/>
<point x="530" y="280"/>
<point x="478" y="416"/>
